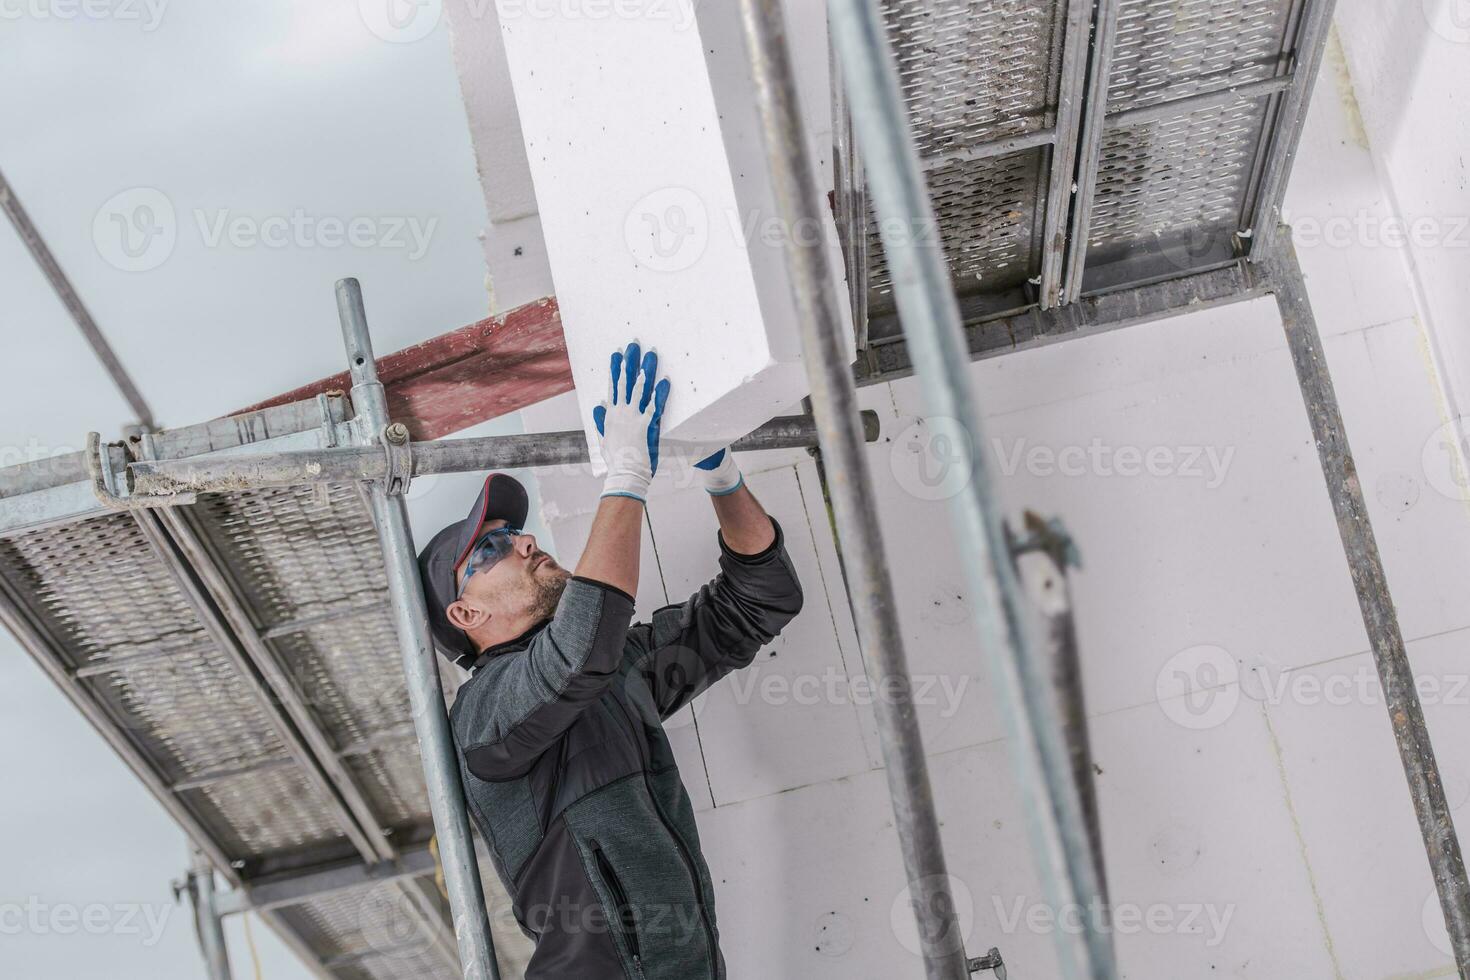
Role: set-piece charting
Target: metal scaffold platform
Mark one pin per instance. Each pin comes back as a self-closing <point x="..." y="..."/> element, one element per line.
<point x="235" y="608"/>
<point x="241" y="655"/>
<point x="1073" y="148"/>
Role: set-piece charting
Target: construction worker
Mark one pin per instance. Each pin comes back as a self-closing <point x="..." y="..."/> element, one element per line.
<point x="568" y="771"/>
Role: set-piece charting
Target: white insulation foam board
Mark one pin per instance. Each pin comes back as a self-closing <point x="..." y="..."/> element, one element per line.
<point x="641" y="128"/>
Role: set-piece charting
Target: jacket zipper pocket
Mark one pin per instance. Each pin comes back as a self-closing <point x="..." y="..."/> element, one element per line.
<point x="683" y="849"/>
<point x="624" y="911"/>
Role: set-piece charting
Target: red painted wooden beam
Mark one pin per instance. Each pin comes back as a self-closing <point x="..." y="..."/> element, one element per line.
<point x="478" y="372"/>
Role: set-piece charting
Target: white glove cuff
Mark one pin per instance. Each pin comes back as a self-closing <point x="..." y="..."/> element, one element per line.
<point x="724" y="478"/>
<point x="626" y="484"/>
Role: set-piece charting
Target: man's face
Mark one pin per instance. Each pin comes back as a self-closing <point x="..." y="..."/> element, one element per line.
<point x="515" y="593"/>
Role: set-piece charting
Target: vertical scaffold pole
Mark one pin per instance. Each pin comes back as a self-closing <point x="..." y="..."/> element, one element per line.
<point x="834" y="404"/>
<point x="932" y="326"/>
<point x="420" y="662"/>
<point x="207" y="922"/>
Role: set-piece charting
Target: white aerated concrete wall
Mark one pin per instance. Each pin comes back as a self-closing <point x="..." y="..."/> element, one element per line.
<point x="1255" y="815"/>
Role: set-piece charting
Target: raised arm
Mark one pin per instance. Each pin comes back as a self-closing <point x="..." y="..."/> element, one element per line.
<point x="520" y="703"/>
<point x="720" y="627"/>
<point x="744" y="524"/>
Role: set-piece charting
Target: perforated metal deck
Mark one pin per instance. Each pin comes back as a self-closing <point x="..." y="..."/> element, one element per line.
<point x="1074" y="149"/>
<point x="240" y="653"/>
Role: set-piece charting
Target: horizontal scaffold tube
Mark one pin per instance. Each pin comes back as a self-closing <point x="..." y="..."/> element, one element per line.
<point x="349" y="464"/>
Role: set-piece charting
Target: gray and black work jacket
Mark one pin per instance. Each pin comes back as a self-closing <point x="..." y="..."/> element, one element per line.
<point x="572" y="781"/>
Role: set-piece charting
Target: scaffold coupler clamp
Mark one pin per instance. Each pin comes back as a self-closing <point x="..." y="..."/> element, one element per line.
<point x="990" y="961"/>
<point x="395" y="439"/>
<point x="101" y="476"/>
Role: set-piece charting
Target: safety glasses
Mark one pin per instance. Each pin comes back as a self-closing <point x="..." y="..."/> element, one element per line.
<point x="491" y="547"/>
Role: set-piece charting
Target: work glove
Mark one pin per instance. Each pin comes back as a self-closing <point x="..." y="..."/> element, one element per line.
<point x="628" y="423"/>
<point x="720" y="474"/>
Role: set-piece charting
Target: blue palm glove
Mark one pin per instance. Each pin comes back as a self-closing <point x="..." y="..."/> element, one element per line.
<point x="629" y="422"/>
<point x="721" y="475"/>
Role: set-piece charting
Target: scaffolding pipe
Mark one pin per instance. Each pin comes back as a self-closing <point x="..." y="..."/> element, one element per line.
<point x="208" y="925"/>
<point x="420" y="663"/>
<point x="936" y="342"/>
<point x="350" y="464"/>
<point x="834" y="403"/>
<point x="1401" y="696"/>
<point x="67" y="293"/>
<point x="1043" y="555"/>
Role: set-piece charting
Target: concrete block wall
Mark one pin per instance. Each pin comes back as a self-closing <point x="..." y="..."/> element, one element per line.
<point x="1408" y="67"/>
<point x="1255" y="816"/>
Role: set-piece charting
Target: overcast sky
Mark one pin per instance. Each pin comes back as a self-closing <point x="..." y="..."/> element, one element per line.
<point x="198" y="168"/>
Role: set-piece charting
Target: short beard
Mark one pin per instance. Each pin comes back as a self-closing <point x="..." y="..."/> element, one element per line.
<point x="546" y="596"/>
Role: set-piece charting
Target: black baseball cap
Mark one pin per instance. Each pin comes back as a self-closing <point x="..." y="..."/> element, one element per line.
<point x="501" y="498"/>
